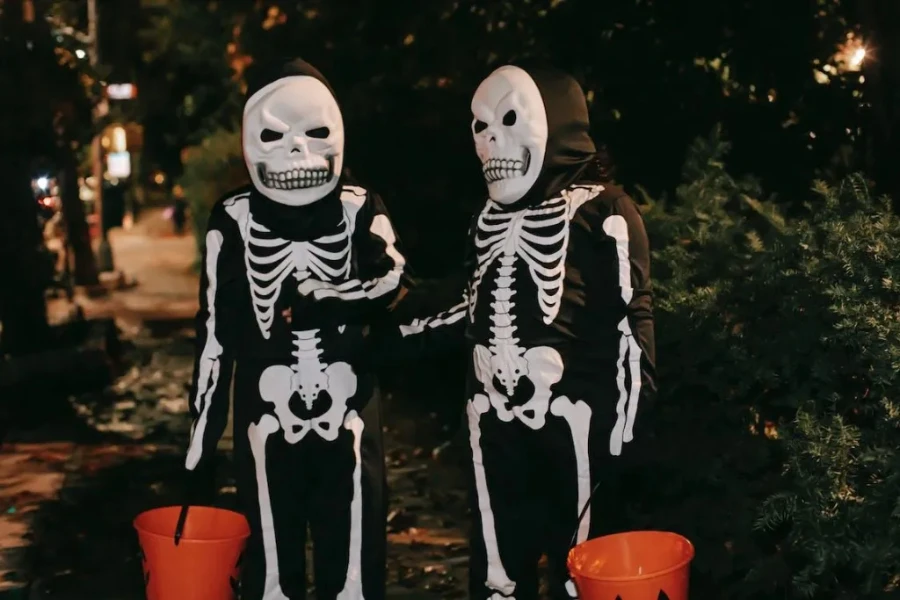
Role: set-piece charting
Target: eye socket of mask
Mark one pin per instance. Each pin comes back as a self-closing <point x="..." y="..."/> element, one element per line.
<point x="268" y="136"/>
<point x="509" y="119"/>
<point x="319" y="133"/>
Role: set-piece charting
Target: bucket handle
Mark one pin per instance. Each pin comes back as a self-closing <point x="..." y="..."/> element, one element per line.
<point x="179" y="527"/>
<point x="191" y="494"/>
<point x="584" y="510"/>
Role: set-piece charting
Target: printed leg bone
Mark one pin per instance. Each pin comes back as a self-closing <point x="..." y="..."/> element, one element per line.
<point x="497" y="578"/>
<point x="258" y="434"/>
<point x="353" y="585"/>
<point x="578" y="416"/>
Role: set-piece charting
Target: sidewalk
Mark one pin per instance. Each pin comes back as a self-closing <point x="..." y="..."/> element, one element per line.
<point x="161" y="263"/>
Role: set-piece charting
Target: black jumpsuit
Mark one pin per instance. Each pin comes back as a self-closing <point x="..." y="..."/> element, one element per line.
<point x="307" y="428"/>
<point x="561" y="362"/>
<point x="556" y="317"/>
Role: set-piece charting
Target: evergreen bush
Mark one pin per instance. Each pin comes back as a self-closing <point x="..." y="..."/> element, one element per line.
<point x="211" y="169"/>
<point x="777" y="431"/>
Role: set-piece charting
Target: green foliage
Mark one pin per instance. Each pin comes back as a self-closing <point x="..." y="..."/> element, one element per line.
<point x="54" y="101"/>
<point x="655" y="73"/>
<point x="843" y="447"/>
<point x="188" y="86"/>
<point x="212" y="169"/>
<point x="72" y="45"/>
<point x="779" y="346"/>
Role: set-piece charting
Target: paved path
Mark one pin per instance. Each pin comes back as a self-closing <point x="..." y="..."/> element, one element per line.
<point x="162" y="264"/>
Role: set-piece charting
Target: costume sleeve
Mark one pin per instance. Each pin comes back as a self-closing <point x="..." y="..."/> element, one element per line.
<point x="431" y="335"/>
<point x="220" y="280"/>
<point x="406" y="338"/>
<point x="380" y="267"/>
<point x="625" y="226"/>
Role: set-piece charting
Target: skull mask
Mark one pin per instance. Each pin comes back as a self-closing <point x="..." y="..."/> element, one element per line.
<point x="510" y="131"/>
<point x="293" y="139"/>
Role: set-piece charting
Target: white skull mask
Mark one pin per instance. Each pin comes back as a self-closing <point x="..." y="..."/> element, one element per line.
<point x="510" y="130"/>
<point x="293" y="138"/>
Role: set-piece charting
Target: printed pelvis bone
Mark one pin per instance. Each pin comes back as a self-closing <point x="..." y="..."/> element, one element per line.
<point x="510" y="131"/>
<point x="308" y="378"/>
<point x="505" y="362"/>
<point x="293" y="140"/>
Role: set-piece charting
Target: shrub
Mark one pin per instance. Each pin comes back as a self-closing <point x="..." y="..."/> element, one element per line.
<point x="211" y="169"/>
<point x="778" y="430"/>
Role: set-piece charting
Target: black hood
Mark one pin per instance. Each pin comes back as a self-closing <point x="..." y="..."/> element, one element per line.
<point x="297" y="223"/>
<point x="259" y="76"/>
<point x="570" y="150"/>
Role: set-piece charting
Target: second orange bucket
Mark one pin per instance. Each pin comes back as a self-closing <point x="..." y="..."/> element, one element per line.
<point x="204" y="565"/>
<point x="637" y="565"/>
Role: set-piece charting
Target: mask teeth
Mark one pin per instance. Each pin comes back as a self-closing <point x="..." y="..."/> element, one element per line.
<point x="298" y="179"/>
<point x="497" y="169"/>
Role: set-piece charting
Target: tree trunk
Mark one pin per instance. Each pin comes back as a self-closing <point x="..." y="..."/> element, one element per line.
<point x="78" y="233"/>
<point x="23" y="268"/>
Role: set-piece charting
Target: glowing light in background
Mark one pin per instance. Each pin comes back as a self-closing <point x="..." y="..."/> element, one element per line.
<point x="851" y="55"/>
<point x="80" y="53"/>
<point x="43" y="182"/>
<point x="119" y="139"/>
<point x="120" y="91"/>
<point x="849" y="58"/>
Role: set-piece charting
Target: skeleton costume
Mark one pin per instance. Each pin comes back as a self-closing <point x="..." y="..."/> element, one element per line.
<point x="557" y="318"/>
<point x="307" y="430"/>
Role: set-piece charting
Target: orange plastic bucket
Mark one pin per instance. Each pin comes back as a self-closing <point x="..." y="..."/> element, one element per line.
<point x="204" y="565"/>
<point x="638" y="565"/>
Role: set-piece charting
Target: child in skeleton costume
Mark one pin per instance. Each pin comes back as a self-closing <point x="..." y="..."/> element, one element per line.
<point x="557" y="318"/>
<point x="308" y="447"/>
